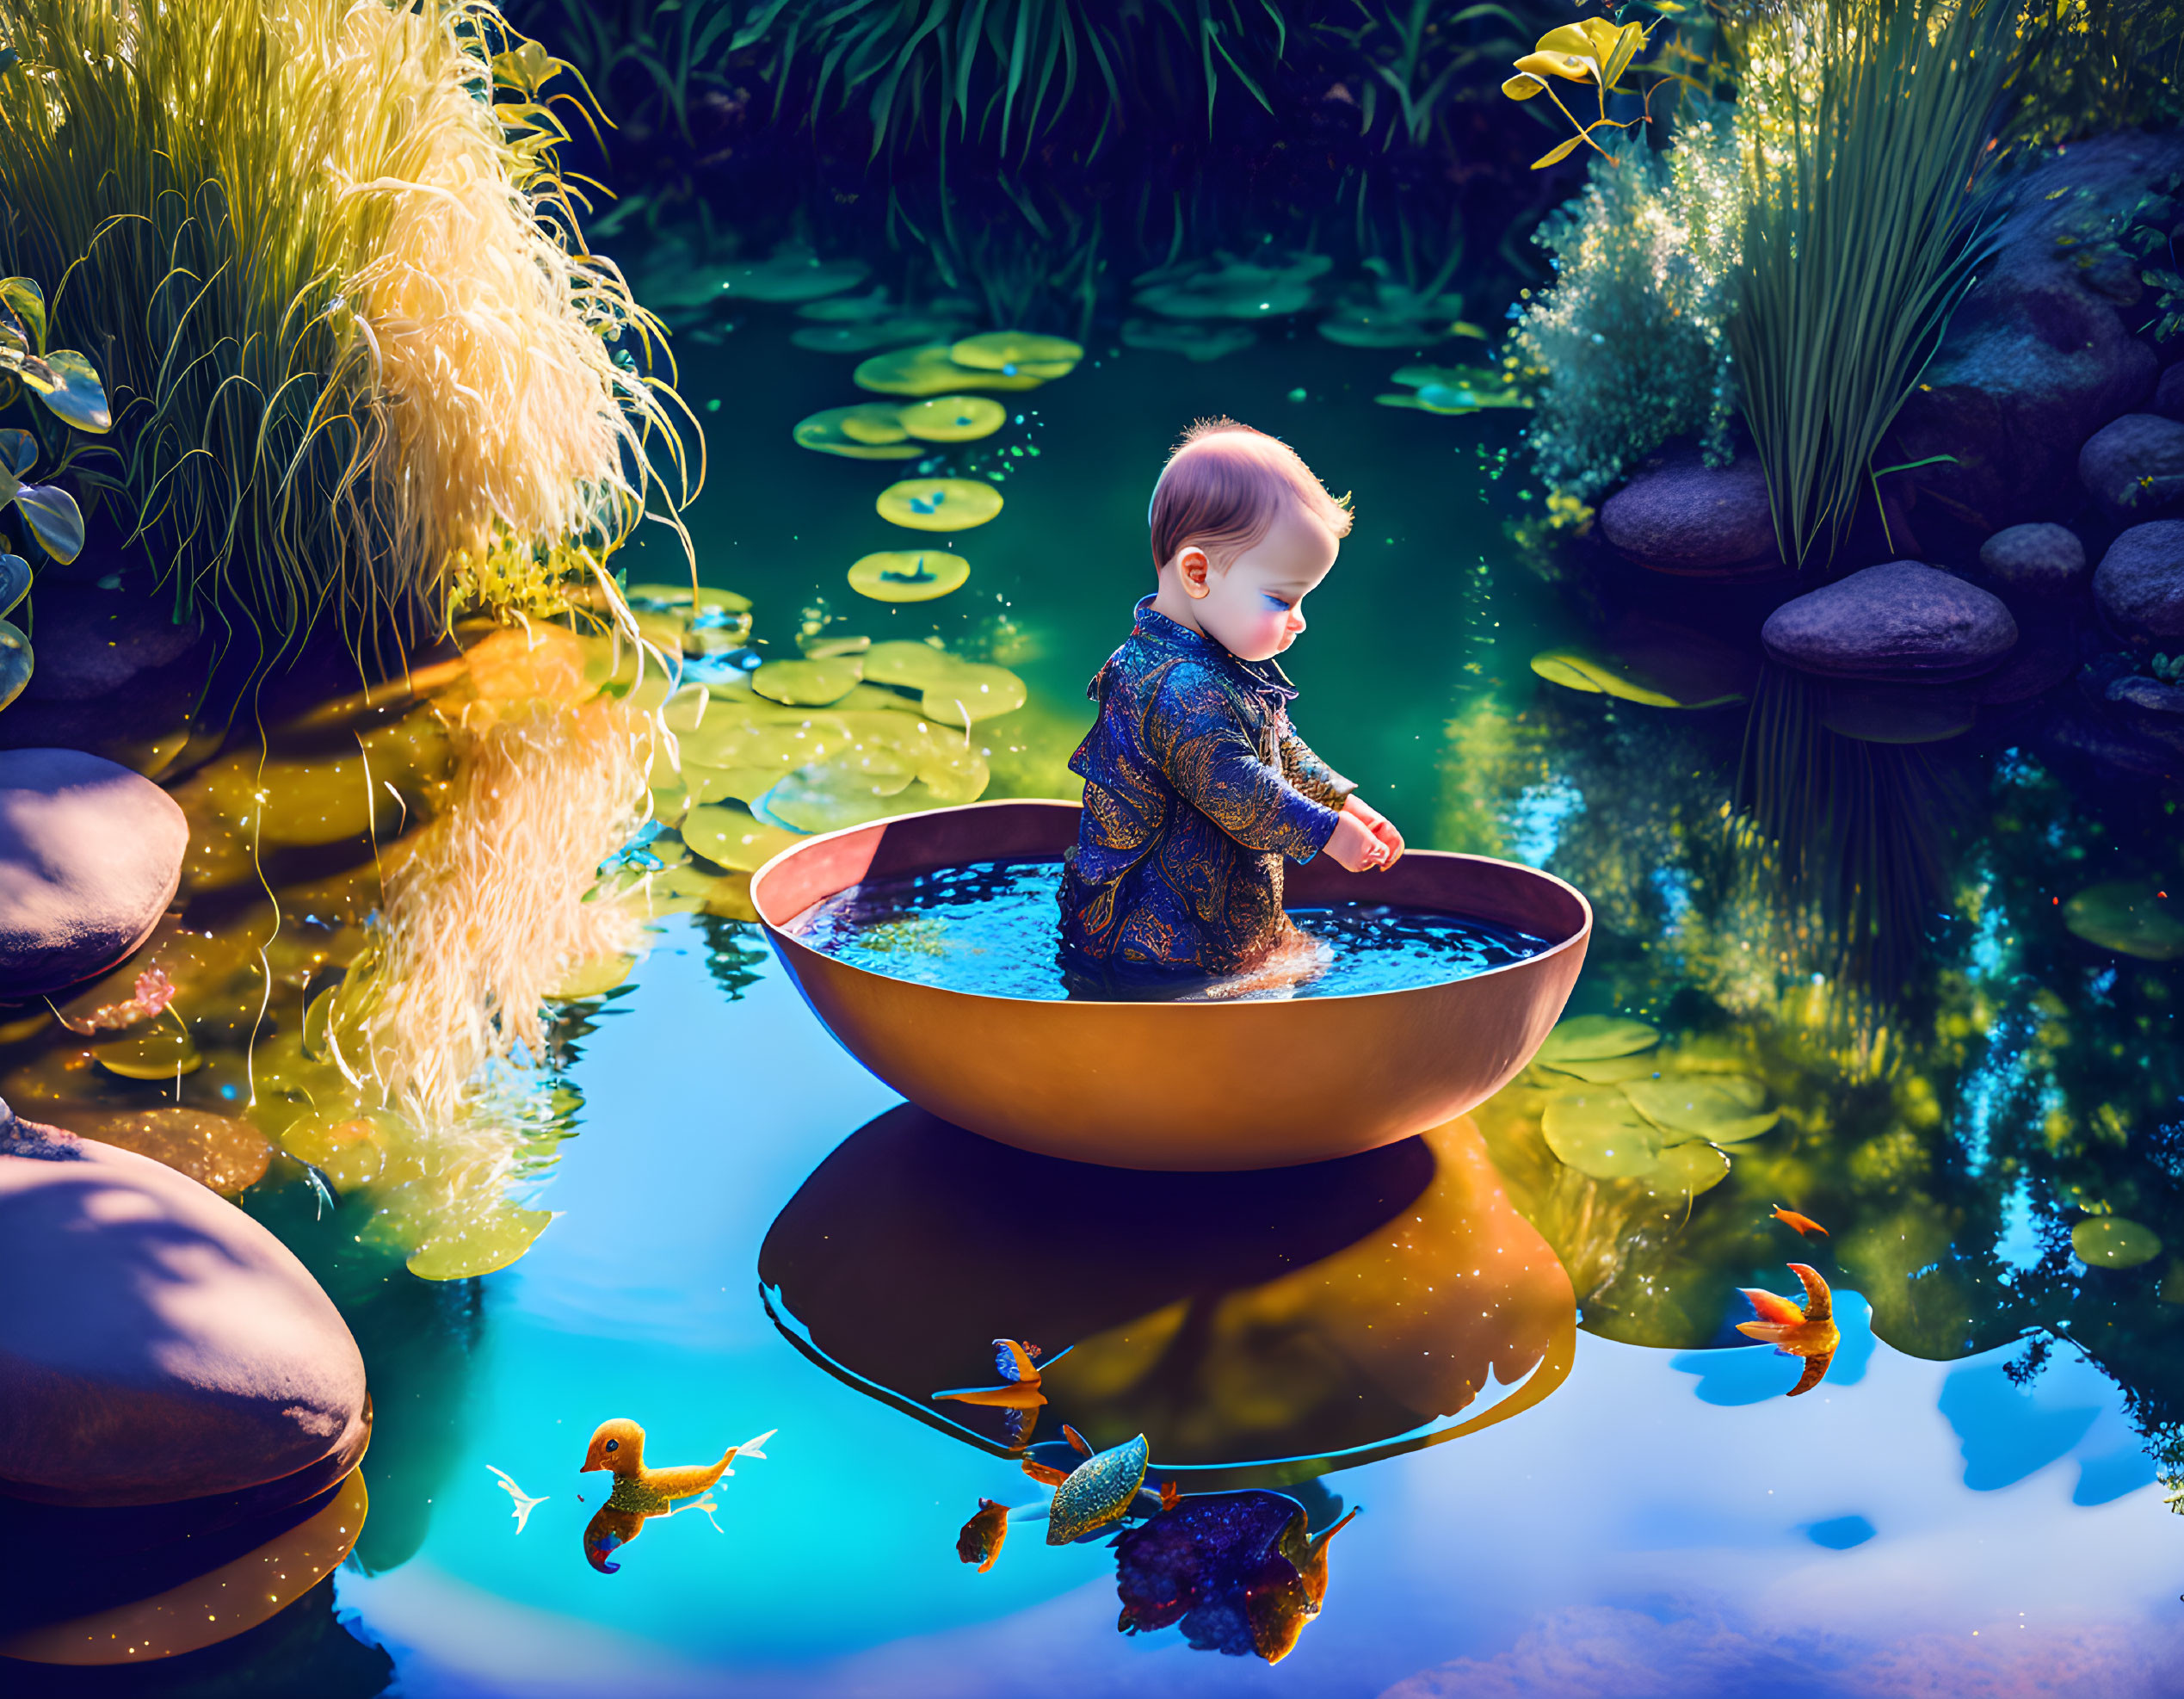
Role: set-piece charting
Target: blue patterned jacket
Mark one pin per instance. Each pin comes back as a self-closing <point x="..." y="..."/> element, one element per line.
<point x="1195" y="789"/>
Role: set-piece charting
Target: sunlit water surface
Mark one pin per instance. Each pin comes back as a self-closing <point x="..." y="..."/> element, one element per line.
<point x="1571" y="1483"/>
<point x="990" y="928"/>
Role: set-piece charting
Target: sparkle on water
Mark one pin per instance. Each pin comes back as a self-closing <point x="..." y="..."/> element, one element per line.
<point x="990" y="928"/>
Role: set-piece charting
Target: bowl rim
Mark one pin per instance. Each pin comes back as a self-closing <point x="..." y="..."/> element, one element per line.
<point x="1576" y="939"/>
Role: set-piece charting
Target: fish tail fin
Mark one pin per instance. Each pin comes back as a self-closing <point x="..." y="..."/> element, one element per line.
<point x="749" y="1448"/>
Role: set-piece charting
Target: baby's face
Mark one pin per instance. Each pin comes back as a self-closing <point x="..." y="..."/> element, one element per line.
<point x="1256" y="609"/>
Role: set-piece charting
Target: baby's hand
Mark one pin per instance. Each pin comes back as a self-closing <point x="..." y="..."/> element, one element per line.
<point x="1378" y="825"/>
<point x="1354" y="846"/>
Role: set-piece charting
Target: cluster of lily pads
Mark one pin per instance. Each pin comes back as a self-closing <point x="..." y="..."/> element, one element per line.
<point x="1203" y="309"/>
<point x="1613" y="1106"/>
<point x="931" y="376"/>
<point x="759" y="752"/>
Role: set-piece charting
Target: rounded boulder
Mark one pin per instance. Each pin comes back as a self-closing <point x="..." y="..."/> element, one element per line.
<point x="1685" y="518"/>
<point x="157" y="1345"/>
<point x="91" y="855"/>
<point x="1902" y="621"/>
<point x="2134" y="464"/>
<point x="2140" y="584"/>
<point x="2035" y="559"/>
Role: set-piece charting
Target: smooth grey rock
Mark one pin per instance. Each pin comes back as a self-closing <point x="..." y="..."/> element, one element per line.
<point x="2037" y="358"/>
<point x="2168" y="393"/>
<point x="2046" y="654"/>
<point x="2148" y="694"/>
<point x="2036" y="559"/>
<point x="157" y="1343"/>
<point x="1683" y="516"/>
<point x="1902" y="622"/>
<point x="2140" y="584"/>
<point x="91" y="855"/>
<point x="2134" y="464"/>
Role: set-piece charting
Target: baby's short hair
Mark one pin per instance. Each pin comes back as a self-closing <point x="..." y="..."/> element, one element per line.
<point x="1224" y="487"/>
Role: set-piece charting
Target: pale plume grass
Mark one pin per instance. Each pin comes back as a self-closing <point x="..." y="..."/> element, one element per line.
<point x="340" y="298"/>
<point x="488" y="913"/>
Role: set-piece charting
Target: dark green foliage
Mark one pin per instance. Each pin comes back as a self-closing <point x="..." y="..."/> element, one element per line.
<point x="2097" y="65"/>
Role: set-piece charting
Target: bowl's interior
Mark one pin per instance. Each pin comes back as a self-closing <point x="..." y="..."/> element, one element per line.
<point x="1473" y="886"/>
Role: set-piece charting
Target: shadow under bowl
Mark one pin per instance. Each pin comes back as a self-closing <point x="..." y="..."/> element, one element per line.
<point x="1183" y="1085"/>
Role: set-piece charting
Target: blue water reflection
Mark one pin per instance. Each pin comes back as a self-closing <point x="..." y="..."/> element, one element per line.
<point x="1623" y="1537"/>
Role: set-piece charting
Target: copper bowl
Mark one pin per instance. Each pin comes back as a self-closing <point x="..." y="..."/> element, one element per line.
<point x="1183" y="1085"/>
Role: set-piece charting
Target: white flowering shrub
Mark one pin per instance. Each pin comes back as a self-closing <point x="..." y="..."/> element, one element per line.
<point x="1629" y="345"/>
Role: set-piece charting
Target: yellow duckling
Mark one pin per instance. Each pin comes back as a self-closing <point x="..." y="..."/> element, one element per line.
<point x="640" y="1493"/>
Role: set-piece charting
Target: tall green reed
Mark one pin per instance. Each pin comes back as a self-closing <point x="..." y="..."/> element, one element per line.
<point x="1863" y="233"/>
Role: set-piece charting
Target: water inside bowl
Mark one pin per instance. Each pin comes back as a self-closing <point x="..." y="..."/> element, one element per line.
<point x="992" y="928"/>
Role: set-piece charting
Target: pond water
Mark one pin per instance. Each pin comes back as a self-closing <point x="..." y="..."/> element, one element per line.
<point x="989" y="928"/>
<point x="1858" y="977"/>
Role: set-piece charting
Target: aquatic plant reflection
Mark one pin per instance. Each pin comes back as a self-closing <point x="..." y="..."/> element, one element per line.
<point x="1339" y="1311"/>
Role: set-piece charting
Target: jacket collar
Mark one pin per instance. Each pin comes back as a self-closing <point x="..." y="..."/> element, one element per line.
<point x="1160" y="632"/>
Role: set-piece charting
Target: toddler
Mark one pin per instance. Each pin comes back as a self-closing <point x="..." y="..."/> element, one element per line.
<point x="1195" y="785"/>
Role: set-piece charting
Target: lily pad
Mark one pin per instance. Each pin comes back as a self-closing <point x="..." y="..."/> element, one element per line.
<point x="970" y="691"/>
<point x="733" y="837"/>
<point x="219" y="1152"/>
<point x="1612" y="1070"/>
<point x="480" y="1247"/>
<point x="1356" y="325"/>
<point x="953" y="418"/>
<point x="1693" y="1167"/>
<point x="878" y="333"/>
<point x="1599" y="1132"/>
<point x="911" y="665"/>
<point x="1455" y="389"/>
<point x="827" y="798"/>
<point x="911" y="575"/>
<point x="164" y="1052"/>
<point x="1591" y="1038"/>
<point x="2129" y="916"/>
<point x="829" y="433"/>
<point x="938" y="503"/>
<point x="684" y="598"/>
<point x="807" y="683"/>
<point x="793" y="273"/>
<point x="1010" y="352"/>
<point x="17" y="662"/>
<point x="1237" y="289"/>
<point x="1193" y="340"/>
<point x="930" y="369"/>
<point x="853" y="309"/>
<point x="595" y="978"/>
<point x="1720" y="1108"/>
<point x="2111" y="1242"/>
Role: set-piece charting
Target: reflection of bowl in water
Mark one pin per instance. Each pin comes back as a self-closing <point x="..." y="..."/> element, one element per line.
<point x="1183" y="1085"/>
<point x="1341" y="1310"/>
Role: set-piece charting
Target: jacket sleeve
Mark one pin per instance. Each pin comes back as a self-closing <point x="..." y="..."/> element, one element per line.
<point x="1204" y="750"/>
<point x="1313" y="776"/>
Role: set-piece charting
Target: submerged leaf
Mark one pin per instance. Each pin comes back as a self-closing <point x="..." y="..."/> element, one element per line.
<point x="2129" y="916"/>
<point x="1601" y="1133"/>
<point x="2111" y="1242"/>
<point x="1720" y="1108"/>
<point x="1586" y="1038"/>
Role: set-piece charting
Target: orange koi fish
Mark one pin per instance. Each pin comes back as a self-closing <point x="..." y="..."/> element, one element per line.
<point x="1808" y="1331"/>
<point x="1804" y="1224"/>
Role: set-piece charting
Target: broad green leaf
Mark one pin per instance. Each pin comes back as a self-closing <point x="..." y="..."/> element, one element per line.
<point x="72" y="391"/>
<point x="1557" y="154"/>
<point x="22" y="297"/>
<point x="1695" y="1166"/>
<point x="1629" y="39"/>
<point x="2129" y="916"/>
<point x="52" y="513"/>
<point x="16" y="661"/>
<point x="1597" y="1132"/>
<point x="1592" y="1038"/>
<point x="480" y="1247"/>
<point x="2111" y="1242"/>
<point x="1612" y="1070"/>
<point x="15" y="581"/>
<point x="18" y="451"/>
<point x="1719" y="1108"/>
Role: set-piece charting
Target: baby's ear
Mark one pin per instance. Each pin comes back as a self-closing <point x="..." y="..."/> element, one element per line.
<point x="1194" y="570"/>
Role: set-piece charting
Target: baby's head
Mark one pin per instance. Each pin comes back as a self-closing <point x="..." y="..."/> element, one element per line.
<point x="1242" y="532"/>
